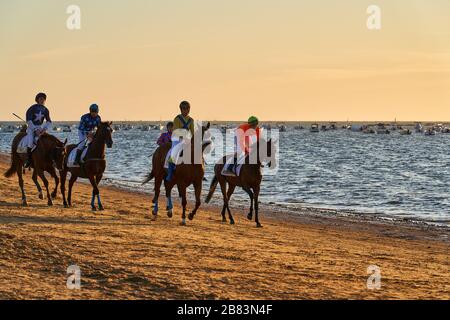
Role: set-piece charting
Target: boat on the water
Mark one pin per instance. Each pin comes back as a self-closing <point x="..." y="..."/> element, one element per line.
<point x="314" y="128"/>
<point x="381" y="129"/>
<point x="430" y="132"/>
<point x="418" y="127"/>
<point x="405" y="132"/>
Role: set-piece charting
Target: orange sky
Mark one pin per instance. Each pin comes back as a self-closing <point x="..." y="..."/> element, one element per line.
<point x="280" y="60"/>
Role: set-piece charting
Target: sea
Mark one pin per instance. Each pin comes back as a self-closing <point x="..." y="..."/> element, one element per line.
<point x="390" y="175"/>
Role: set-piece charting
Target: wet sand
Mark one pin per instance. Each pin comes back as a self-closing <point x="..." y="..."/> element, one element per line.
<point x="123" y="255"/>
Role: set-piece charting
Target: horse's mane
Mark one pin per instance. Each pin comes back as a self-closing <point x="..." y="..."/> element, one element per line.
<point x="52" y="138"/>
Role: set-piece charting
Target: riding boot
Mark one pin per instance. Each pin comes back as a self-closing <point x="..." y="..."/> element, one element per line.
<point x="29" y="159"/>
<point x="77" y="161"/>
<point x="170" y="171"/>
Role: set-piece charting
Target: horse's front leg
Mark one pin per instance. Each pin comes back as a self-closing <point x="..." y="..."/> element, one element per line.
<point x="20" y="176"/>
<point x="99" y="201"/>
<point x="95" y="192"/>
<point x="63" y="176"/>
<point x="256" y="195"/>
<point x="250" y="194"/>
<point x="230" y="193"/>
<point x="169" y="186"/>
<point x="55" y="177"/>
<point x="38" y="186"/>
<point x="198" y="194"/>
<point x="41" y="175"/>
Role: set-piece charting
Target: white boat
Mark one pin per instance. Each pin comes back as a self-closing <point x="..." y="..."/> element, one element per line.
<point x="314" y="128"/>
<point x="66" y="129"/>
<point x="418" y="128"/>
<point x="369" y="130"/>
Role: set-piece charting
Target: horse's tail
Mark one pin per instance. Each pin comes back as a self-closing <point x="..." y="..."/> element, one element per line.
<point x="149" y="177"/>
<point x="13" y="168"/>
<point x="212" y="188"/>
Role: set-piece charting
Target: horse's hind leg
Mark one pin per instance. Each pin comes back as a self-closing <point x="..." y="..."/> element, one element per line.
<point x="184" y="204"/>
<point x="38" y="186"/>
<point x="229" y="194"/>
<point x="45" y="181"/>
<point x="158" y="182"/>
<point x="223" y="187"/>
<point x="250" y="194"/>
<point x="20" y="176"/>
<point x="198" y="194"/>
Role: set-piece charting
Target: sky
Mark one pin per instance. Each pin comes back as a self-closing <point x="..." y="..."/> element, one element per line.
<point x="286" y="60"/>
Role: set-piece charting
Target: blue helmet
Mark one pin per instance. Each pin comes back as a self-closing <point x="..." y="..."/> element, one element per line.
<point x="94" y="108"/>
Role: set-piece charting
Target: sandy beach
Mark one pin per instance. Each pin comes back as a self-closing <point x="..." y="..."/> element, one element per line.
<point x="123" y="255"/>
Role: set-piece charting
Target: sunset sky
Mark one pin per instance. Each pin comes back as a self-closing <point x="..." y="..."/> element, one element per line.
<point x="297" y="60"/>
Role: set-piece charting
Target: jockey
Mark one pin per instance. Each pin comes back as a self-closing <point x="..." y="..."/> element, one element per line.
<point x="35" y="117"/>
<point x="245" y="135"/>
<point x="182" y="122"/>
<point x="166" y="136"/>
<point x="88" y="123"/>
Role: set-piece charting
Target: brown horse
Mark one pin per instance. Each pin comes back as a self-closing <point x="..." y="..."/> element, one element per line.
<point x="185" y="175"/>
<point x="48" y="155"/>
<point x="249" y="180"/>
<point x="93" y="167"/>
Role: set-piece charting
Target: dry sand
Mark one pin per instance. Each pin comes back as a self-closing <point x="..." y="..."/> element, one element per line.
<point x="122" y="255"/>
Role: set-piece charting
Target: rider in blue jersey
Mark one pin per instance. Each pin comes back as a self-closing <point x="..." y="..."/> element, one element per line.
<point x="88" y="123"/>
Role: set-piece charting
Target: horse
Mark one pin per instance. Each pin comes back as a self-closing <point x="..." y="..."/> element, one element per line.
<point x="185" y="175"/>
<point x="48" y="155"/>
<point x="249" y="180"/>
<point x="93" y="167"/>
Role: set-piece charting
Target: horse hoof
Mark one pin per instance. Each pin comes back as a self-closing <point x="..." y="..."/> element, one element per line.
<point x="50" y="204"/>
<point x="94" y="209"/>
<point x="66" y="206"/>
<point x="191" y="216"/>
<point x="41" y="196"/>
<point x="170" y="213"/>
<point x="258" y="225"/>
<point x="154" y="212"/>
<point x="232" y="222"/>
<point x="25" y="203"/>
<point x="183" y="223"/>
<point x="224" y="221"/>
<point x="101" y="209"/>
<point x="154" y="217"/>
<point x="250" y="217"/>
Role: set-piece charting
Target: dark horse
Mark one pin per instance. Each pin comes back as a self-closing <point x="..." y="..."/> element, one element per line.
<point x="93" y="167"/>
<point x="48" y="155"/>
<point x="185" y="175"/>
<point x="249" y="180"/>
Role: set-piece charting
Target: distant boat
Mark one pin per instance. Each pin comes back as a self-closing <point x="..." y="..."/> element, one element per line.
<point x="381" y="129"/>
<point x="282" y="128"/>
<point x="299" y="127"/>
<point x="405" y="132"/>
<point x="368" y="130"/>
<point x="430" y="132"/>
<point x="333" y="126"/>
<point x="314" y="128"/>
<point x="67" y="129"/>
<point x="324" y="128"/>
<point x="356" y="128"/>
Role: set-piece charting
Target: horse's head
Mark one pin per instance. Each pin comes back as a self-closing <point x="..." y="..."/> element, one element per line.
<point x="206" y="141"/>
<point x="55" y="148"/>
<point x="104" y="134"/>
<point x="59" y="155"/>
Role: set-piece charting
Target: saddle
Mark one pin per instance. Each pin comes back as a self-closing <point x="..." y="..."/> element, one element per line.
<point x="22" y="148"/>
<point x="73" y="156"/>
<point x="231" y="159"/>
